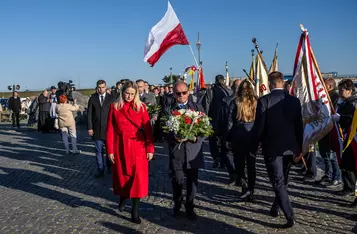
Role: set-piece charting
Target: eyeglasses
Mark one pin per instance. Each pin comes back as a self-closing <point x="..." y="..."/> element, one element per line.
<point x="171" y="87"/>
<point x="183" y="93"/>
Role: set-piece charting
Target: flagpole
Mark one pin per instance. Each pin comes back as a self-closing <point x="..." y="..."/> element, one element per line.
<point x="193" y="54"/>
<point x="254" y="40"/>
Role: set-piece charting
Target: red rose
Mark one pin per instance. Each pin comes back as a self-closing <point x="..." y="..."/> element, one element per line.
<point x="188" y="120"/>
<point x="199" y="120"/>
<point x="175" y="113"/>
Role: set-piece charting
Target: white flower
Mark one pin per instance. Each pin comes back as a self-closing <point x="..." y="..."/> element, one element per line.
<point x="173" y="124"/>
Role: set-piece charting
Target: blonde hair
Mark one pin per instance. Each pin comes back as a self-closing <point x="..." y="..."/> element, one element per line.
<point x="119" y="103"/>
<point x="246" y="102"/>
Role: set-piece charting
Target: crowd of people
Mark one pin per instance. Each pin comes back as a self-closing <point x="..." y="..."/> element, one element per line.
<point x="244" y="126"/>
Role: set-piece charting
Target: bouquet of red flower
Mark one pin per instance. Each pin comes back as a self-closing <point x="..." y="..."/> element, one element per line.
<point x="187" y="124"/>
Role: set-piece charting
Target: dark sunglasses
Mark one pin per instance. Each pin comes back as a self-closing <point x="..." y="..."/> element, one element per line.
<point x="171" y="87"/>
<point x="183" y="93"/>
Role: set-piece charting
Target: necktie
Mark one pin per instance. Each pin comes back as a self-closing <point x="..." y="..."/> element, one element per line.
<point x="101" y="100"/>
<point x="182" y="106"/>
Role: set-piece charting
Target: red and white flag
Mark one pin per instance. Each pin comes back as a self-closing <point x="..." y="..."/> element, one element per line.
<point x="165" y="34"/>
<point x="308" y="87"/>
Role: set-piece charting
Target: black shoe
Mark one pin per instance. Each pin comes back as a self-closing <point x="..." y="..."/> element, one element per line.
<point x="175" y="211"/>
<point x="99" y="174"/>
<point x="232" y="180"/>
<point x="290" y="223"/>
<point x="191" y="215"/>
<point x="274" y="212"/>
<point x="135" y="219"/>
<point x="245" y="195"/>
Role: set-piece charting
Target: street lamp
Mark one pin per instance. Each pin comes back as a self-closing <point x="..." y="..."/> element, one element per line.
<point x="198" y="46"/>
<point x="13" y="87"/>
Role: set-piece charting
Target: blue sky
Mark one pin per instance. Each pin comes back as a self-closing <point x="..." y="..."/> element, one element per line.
<point x="42" y="42"/>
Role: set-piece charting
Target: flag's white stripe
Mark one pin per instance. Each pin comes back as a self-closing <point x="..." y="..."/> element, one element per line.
<point x="159" y="32"/>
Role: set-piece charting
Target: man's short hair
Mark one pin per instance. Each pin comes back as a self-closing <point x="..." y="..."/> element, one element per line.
<point x="145" y="82"/>
<point x="180" y="83"/>
<point x="100" y="82"/>
<point x="275" y="77"/>
<point x="220" y="79"/>
<point x="140" y="80"/>
<point x="332" y="82"/>
<point x="347" y="84"/>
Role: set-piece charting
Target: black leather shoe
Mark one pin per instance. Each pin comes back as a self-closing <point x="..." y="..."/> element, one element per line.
<point x="274" y="212"/>
<point x="232" y="180"/>
<point x="290" y="223"/>
<point x="191" y="215"/>
<point x="99" y="174"/>
<point x="245" y="195"/>
<point x="135" y="219"/>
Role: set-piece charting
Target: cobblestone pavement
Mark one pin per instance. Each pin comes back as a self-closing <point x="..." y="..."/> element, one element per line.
<point x="43" y="191"/>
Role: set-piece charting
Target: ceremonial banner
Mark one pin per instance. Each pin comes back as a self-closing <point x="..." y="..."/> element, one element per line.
<point x="201" y="79"/>
<point x="274" y="65"/>
<point x="252" y="70"/>
<point x="165" y="34"/>
<point x="262" y="84"/>
<point x="351" y="139"/>
<point x="308" y="86"/>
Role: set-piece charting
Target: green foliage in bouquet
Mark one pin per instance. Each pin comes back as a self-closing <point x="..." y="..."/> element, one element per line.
<point x="187" y="124"/>
<point x="153" y="109"/>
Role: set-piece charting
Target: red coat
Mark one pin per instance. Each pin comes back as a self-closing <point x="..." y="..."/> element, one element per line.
<point x="126" y="142"/>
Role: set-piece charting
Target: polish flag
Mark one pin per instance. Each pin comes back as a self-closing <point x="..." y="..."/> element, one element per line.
<point x="165" y="34"/>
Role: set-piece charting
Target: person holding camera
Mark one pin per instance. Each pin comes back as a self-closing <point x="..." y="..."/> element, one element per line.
<point x="66" y="123"/>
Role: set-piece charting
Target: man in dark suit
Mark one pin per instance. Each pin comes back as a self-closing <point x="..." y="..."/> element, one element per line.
<point x="211" y="103"/>
<point x="279" y="127"/>
<point x="186" y="159"/>
<point x="98" y="109"/>
<point x="15" y="108"/>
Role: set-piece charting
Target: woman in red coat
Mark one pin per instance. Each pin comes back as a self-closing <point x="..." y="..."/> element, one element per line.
<point x="130" y="147"/>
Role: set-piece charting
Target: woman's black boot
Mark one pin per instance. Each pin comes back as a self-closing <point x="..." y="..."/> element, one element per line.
<point x="122" y="203"/>
<point x="135" y="211"/>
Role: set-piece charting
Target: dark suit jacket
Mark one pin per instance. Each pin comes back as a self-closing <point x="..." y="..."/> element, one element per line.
<point x="190" y="155"/>
<point x="98" y="115"/>
<point x="212" y="101"/>
<point x="278" y="125"/>
<point x="15" y="104"/>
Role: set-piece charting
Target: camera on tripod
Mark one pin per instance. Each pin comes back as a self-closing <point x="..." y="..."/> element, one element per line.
<point x="66" y="89"/>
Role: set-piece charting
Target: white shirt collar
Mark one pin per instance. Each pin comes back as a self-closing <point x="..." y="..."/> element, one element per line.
<point x="102" y="95"/>
<point x="277" y="89"/>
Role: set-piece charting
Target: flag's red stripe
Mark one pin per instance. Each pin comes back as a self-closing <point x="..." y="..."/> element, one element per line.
<point x="175" y="37"/>
<point x="298" y="54"/>
<point x="312" y="74"/>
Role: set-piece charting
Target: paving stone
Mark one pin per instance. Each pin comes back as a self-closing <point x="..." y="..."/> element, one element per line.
<point x="44" y="191"/>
